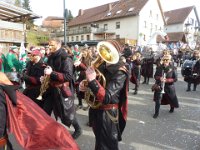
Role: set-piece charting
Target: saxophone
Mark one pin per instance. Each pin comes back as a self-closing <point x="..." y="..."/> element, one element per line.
<point x="44" y="86"/>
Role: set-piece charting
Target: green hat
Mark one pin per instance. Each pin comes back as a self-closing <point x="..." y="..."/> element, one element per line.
<point x="14" y="48"/>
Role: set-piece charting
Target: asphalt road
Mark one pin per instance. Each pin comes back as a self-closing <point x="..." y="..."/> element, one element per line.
<point x="170" y="131"/>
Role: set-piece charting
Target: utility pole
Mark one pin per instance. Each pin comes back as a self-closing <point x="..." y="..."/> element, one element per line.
<point x="65" y="18"/>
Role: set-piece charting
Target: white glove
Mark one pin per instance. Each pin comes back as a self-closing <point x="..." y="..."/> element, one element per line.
<point x="48" y="70"/>
<point x="82" y="86"/>
<point x="77" y="63"/>
<point x="90" y="74"/>
<point x="41" y="79"/>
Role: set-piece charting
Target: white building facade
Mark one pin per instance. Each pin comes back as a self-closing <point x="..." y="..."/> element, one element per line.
<point x="136" y="28"/>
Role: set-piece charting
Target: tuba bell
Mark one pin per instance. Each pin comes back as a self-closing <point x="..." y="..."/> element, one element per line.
<point x="109" y="54"/>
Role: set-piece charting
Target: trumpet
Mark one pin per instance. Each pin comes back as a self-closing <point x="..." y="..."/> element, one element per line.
<point x="163" y="83"/>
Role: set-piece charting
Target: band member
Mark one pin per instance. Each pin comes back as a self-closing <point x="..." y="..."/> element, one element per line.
<point x="164" y="92"/>
<point x="196" y="72"/>
<point x="23" y="125"/>
<point x="135" y="71"/>
<point x="191" y="77"/>
<point x="34" y="70"/>
<point x="2" y="59"/>
<point x="13" y="63"/>
<point x="59" y="96"/>
<point x="147" y="66"/>
<point x="108" y="120"/>
<point x="80" y="66"/>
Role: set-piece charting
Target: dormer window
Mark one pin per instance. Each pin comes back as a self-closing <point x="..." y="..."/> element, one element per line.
<point x="131" y="9"/>
<point x="166" y="19"/>
<point x="150" y="14"/>
<point x="119" y="11"/>
<point x="109" y="13"/>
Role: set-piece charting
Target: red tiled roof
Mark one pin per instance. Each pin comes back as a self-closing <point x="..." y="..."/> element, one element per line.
<point x="173" y="37"/>
<point x="177" y="15"/>
<point x="99" y="13"/>
<point x="50" y="18"/>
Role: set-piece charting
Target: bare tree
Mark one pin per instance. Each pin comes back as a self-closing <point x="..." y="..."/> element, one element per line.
<point x="18" y="3"/>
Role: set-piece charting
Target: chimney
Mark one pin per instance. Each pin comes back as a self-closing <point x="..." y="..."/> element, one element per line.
<point x="109" y="7"/>
<point x="81" y="11"/>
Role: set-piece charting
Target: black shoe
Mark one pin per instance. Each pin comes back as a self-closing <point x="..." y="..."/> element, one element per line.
<point x="88" y="124"/>
<point x="86" y="108"/>
<point x="76" y="133"/>
<point x="188" y="90"/>
<point x="135" y="93"/>
<point x="171" y="110"/>
<point x="155" y="116"/>
<point x="194" y="89"/>
<point x="144" y="82"/>
<point x="79" y="107"/>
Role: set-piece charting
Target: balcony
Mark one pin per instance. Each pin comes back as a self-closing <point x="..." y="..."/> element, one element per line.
<point x="86" y="31"/>
<point x="79" y="31"/>
<point x="188" y="23"/>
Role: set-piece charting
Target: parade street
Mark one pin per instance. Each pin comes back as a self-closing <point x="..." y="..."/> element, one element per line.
<point x="170" y="131"/>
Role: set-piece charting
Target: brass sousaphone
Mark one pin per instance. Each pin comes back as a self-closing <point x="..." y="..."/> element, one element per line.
<point x="106" y="53"/>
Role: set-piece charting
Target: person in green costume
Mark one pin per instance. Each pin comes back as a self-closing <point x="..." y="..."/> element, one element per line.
<point x="2" y="59"/>
<point x="13" y="63"/>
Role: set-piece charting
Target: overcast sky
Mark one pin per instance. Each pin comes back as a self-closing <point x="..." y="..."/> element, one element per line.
<point x="46" y="8"/>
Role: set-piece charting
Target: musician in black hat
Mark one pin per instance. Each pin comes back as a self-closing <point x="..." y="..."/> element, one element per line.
<point x="34" y="70"/>
<point x="109" y="116"/>
<point x="164" y="91"/>
<point x="190" y="76"/>
<point x="196" y="71"/>
<point x="135" y="70"/>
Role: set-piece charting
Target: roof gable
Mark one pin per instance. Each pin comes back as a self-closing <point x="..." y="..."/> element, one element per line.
<point x="100" y="13"/>
<point x="178" y="15"/>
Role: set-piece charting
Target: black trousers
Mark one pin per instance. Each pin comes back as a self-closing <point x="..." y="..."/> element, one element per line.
<point x="3" y="116"/>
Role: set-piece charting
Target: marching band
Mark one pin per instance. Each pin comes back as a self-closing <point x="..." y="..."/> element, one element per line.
<point x="56" y="75"/>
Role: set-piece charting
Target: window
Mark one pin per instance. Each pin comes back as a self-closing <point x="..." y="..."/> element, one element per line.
<point x="105" y="26"/>
<point x="108" y="14"/>
<point x="144" y="37"/>
<point x="82" y="37"/>
<point x="77" y="39"/>
<point x="157" y="17"/>
<point x="72" y="38"/>
<point x="151" y="25"/>
<point x="150" y="14"/>
<point x="191" y="21"/>
<point x="117" y="36"/>
<point x="145" y="24"/>
<point x="117" y="25"/>
<point x="119" y="11"/>
<point x="84" y="28"/>
<point x="196" y="23"/>
<point x="88" y="37"/>
<point x="68" y="39"/>
<point x="131" y="9"/>
<point x="156" y="27"/>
